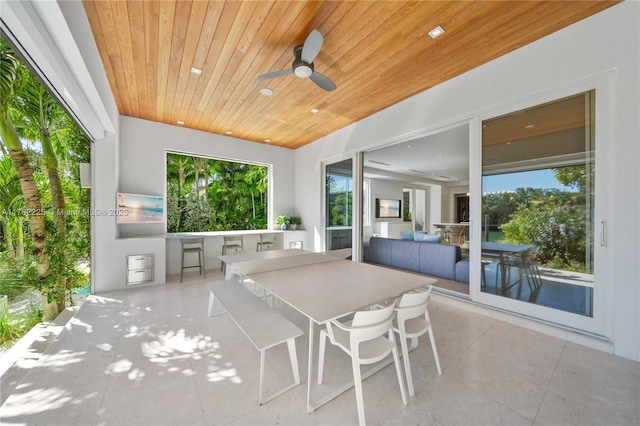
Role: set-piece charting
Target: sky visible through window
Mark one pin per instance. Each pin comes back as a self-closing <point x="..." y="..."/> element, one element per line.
<point x="544" y="179"/>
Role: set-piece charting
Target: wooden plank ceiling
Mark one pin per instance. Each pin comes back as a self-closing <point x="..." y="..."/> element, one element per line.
<point x="377" y="53"/>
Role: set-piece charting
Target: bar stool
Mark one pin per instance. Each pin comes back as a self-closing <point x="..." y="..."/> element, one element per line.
<point x="192" y="245"/>
<point x="234" y="243"/>
<point x="265" y="240"/>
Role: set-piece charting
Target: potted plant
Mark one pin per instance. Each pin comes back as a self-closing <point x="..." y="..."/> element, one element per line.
<point x="283" y="221"/>
<point x="294" y="221"/>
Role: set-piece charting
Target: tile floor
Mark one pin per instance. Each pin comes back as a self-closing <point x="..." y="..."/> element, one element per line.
<point x="151" y="356"/>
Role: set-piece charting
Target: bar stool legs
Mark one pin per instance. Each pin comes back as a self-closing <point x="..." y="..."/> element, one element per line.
<point x="231" y="243"/>
<point x="195" y="246"/>
<point x="265" y="240"/>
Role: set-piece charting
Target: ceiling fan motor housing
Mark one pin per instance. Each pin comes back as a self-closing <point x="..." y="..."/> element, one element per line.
<point x="301" y="68"/>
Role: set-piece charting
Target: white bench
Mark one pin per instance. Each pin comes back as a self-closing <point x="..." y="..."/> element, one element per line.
<point x="264" y="327"/>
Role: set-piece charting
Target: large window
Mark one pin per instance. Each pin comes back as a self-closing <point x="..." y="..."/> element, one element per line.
<point x="209" y="194"/>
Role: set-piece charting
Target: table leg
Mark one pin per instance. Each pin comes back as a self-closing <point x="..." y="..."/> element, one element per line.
<point x="228" y="272"/>
<point x="310" y="408"/>
<point x="503" y="273"/>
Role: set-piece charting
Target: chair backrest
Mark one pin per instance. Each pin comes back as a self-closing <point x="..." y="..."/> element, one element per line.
<point x="531" y="255"/>
<point x="191" y="242"/>
<point x="267" y="238"/>
<point x="233" y="238"/>
<point x="367" y="325"/>
<point x="412" y="305"/>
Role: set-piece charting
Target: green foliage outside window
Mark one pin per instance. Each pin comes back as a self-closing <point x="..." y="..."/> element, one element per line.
<point x="340" y="200"/>
<point x="207" y="194"/>
<point x="553" y="219"/>
<point x="44" y="214"/>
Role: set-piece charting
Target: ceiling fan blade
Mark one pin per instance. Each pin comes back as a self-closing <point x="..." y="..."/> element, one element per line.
<point x="312" y="46"/>
<point x="274" y="74"/>
<point x="322" y="81"/>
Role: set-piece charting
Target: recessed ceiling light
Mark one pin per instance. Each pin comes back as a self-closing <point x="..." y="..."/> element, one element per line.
<point x="529" y="126"/>
<point x="196" y="71"/>
<point x="436" y="32"/>
<point x="228" y="132"/>
<point x="267" y="140"/>
<point x="180" y="122"/>
<point x="266" y="92"/>
<point x="409" y="146"/>
<point x="508" y="143"/>
<point x="315" y="110"/>
<point x="439" y="157"/>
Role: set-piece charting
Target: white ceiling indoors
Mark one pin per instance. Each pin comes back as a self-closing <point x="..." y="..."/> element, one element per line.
<point x="442" y="157"/>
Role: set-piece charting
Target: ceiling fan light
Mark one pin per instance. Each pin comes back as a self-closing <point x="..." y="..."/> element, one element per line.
<point x="303" y="71"/>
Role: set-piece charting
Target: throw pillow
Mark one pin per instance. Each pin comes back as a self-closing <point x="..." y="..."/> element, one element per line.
<point x="429" y="238"/>
<point x="406" y="235"/>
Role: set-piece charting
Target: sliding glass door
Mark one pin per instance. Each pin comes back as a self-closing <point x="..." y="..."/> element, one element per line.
<point x="339" y="199"/>
<point x="538" y="211"/>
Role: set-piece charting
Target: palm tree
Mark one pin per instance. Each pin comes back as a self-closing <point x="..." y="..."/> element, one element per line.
<point x="44" y="121"/>
<point x="12" y="207"/>
<point x="9" y="82"/>
<point x="177" y="164"/>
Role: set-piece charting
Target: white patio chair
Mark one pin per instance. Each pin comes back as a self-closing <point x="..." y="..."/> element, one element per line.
<point x="363" y="340"/>
<point x="412" y="320"/>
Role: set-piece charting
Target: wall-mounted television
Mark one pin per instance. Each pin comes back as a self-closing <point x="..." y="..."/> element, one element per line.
<point x="388" y="208"/>
<point x="136" y="208"/>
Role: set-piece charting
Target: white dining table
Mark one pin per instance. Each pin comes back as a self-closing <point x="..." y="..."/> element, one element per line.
<point x="235" y="262"/>
<point x="328" y="289"/>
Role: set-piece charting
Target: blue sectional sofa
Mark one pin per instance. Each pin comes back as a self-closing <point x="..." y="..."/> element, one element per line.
<point x="434" y="259"/>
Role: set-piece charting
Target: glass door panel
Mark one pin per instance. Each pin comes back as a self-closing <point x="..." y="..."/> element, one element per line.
<point x="538" y="193"/>
<point x="339" y="205"/>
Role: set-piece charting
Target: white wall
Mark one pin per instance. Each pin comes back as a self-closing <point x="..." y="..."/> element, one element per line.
<point x="146" y="142"/>
<point x="566" y="57"/>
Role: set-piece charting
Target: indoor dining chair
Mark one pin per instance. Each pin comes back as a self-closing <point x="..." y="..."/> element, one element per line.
<point x="412" y="321"/>
<point x="363" y="339"/>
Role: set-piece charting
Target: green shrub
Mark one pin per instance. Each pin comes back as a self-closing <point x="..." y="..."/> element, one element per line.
<point x="13" y="327"/>
<point x="16" y="275"/>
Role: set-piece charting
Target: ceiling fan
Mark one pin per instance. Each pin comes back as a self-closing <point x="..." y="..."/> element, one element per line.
<point x="303" y="63"/>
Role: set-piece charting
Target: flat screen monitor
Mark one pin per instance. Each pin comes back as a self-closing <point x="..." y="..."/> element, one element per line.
<point x="136" y="208"/>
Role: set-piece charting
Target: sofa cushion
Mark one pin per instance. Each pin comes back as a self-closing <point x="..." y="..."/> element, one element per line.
<point x="462" y="270"/>
<point x="439" y="259"/>
<point x="429" y="238"/>
<point x="405" y="255"/>
<point x="379" y="250"/>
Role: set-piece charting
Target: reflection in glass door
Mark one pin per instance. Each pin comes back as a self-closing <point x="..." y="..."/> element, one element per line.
<point x="538" y="192"/>
<point x="339" y="203"/>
